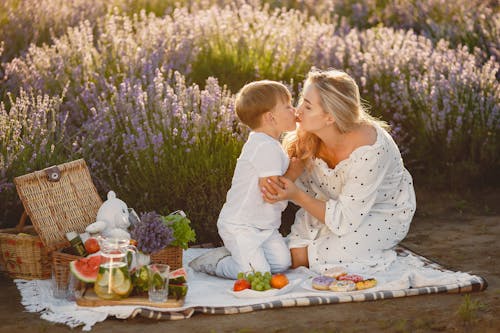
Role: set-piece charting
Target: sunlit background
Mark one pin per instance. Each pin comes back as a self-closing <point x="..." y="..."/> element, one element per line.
<point x="143" y="90"/>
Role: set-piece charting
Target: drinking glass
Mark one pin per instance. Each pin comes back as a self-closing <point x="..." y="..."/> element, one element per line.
<point x="59" y="289"/>
<point x="75" y="287"/>
<point x="158" y="282"/>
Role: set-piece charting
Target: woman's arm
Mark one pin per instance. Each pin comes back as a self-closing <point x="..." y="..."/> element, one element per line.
<point x="295" y="169"/>
<point x="290" y="191"/>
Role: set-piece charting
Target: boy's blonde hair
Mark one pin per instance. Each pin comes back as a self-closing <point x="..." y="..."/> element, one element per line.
<point x="339" y="96"/>
<point x="257" y="98"/>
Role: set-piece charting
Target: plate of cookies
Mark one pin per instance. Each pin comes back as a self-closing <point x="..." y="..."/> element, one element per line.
<point x="337" y="279"/>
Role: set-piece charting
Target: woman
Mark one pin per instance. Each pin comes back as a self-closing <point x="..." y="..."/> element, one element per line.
<point x="356" y="197"/>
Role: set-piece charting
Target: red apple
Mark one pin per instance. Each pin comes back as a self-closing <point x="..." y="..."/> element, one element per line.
<point x="241" y="284"/>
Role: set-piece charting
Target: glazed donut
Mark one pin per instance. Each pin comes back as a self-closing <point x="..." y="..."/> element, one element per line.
<point x="365" y="284"/>
<point x="343" y="285"/>
<point x="351" y="277"/>
<point x="322" y="282"/>
<point x="335" y="272"/>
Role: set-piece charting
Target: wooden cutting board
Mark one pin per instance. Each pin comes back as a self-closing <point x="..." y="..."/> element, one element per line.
<point x="89" y="298"/>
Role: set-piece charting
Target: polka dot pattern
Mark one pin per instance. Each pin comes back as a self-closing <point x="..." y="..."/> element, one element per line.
<point x="370" y="202"/>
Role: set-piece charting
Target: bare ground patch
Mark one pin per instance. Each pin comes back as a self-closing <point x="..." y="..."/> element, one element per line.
<point x="459" y="231"/>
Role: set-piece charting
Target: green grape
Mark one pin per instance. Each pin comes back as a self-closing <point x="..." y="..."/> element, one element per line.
<point x="241" y="275"/>
<point x="260" y="281"/>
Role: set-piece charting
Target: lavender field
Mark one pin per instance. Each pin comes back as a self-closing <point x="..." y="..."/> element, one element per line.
<point x="143" y="90"/>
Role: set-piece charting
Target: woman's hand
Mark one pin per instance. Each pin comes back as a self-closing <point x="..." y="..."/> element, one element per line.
<point x="285" y="189"/>
<point x="265" y="184"/>
<point x="289" y="191"/>
<point x="295" y="169"/>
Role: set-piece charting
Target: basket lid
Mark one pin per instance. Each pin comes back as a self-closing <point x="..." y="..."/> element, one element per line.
<point x="59" y="199"/>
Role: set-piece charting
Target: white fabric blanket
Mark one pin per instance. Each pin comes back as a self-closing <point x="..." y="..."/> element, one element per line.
<point x="208" y="291"/>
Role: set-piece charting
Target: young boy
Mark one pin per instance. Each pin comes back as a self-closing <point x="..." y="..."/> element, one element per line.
<point x="247" y="224"/>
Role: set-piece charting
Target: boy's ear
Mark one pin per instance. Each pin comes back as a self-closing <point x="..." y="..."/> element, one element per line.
<point x="268" y="117"/>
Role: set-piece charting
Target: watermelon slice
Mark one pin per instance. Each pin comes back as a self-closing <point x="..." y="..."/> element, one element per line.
<point x="86" y="269"/>
<point x="177" y="290"/>
<point x="179" y="276"/>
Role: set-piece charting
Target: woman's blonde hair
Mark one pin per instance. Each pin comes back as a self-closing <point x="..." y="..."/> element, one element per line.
<point x="339" y="96"/>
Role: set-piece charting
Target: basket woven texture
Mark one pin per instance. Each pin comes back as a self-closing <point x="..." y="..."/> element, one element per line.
<point x="55" y="205"/>
<point x="60" y="266"/>
<point x="171" y="255"/>
<point x="23" y="255"/>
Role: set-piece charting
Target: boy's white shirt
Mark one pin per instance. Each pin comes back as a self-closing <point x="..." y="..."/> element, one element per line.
<point x="261" y="156"/>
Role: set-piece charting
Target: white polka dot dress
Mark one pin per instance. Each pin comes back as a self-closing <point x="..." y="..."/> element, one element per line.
<point x="370" y="202"/>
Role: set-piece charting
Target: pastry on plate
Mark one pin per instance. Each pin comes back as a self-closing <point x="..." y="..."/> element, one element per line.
<point x="335" y="272"/>
<point x="365" y="284"/>
<point x="351" y="277"/>
<point x="343" y="285"/>
<point x="322" y="282"/>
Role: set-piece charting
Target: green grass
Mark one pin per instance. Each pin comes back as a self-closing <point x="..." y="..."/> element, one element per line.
<point x="468" y="311"/>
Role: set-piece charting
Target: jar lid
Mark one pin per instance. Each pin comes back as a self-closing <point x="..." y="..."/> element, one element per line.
<point x="70" y="235"/>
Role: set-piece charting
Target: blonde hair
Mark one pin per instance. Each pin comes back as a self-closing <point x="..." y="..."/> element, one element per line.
<point x="257" y="98"/>
<point x="339" y="96"/>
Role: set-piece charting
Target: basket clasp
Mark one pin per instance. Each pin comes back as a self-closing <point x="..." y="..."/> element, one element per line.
<point x="53" y="174"/>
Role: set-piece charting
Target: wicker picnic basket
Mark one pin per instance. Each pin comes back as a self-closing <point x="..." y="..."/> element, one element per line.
<point x="171" y="255"/>
<point x="57" y="200"/>
<point x="22" y="252"/>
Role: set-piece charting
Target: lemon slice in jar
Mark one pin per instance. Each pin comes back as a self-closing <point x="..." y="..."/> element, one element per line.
<point x="122" y="289"/>
<point x="120" y="285"/>
<point x="102" y="292"/>
<point x="118" y="277"/>
<point x="103" y="281"/>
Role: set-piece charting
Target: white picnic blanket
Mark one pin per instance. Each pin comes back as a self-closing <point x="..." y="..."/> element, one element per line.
<point x="208" y="291"/>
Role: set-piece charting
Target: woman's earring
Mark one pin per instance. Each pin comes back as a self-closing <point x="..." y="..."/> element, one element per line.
<point x="330" y="120"/>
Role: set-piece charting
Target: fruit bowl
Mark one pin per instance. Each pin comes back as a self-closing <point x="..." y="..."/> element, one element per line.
<point x="249" y="293"/>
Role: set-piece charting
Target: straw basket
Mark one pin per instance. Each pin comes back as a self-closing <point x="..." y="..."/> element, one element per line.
<point x="171" y="255"/>
<point x="22" y="252"/>
<point x="57" y="200"/>
<point x="60" y="266"/>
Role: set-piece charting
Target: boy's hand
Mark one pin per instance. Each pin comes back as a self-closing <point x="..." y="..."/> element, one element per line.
<point x="287" y="190"/>
<point x="265" y="184"/>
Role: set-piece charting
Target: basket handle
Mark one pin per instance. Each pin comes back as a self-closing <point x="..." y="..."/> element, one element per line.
<point x="22" y="221"/>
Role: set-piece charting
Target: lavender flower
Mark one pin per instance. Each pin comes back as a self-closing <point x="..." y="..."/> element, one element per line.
<point x="130" y="93"/>
<point x="151" y="234"/>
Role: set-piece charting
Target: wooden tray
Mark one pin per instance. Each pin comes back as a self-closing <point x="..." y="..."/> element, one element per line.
<point x="89" y="298"/>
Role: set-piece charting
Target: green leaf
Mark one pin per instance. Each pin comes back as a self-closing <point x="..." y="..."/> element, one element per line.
<point x="183" y="233"/>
